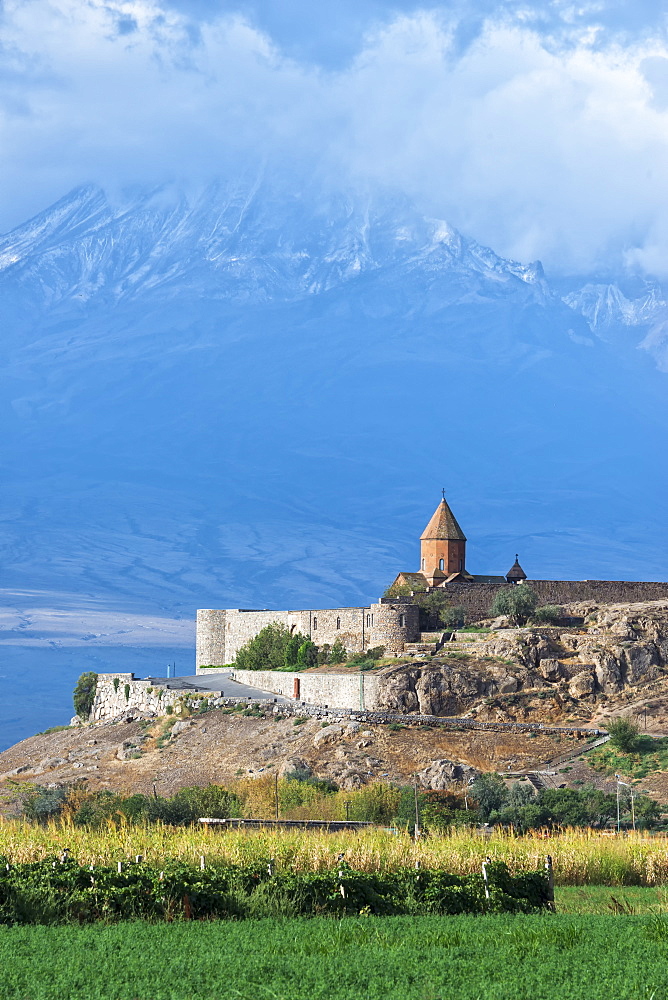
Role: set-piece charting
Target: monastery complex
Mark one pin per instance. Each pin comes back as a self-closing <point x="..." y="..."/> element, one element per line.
<point x="394" y="622"/>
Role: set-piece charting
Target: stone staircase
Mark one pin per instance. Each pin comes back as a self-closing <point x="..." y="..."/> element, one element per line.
<point x="420" y="648"/>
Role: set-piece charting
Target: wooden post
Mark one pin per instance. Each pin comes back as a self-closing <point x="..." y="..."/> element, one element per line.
<point x="485" y="876"/>
<point x="201" y="862"/>
<point x="417" y="812"/>
<point x="550" y="883"/>
<point x="139" y="858"/>
<point x="342" y="888"/>
<point x="120" y="867"/>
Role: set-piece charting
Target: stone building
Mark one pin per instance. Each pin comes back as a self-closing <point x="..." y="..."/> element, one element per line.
<point x="393" y="622"/>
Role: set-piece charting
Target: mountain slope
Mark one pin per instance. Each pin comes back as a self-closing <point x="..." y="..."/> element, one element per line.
<point x="244" y="396"/>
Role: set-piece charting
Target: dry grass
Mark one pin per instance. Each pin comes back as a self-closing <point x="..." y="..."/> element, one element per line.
<point x="580" y="857"/>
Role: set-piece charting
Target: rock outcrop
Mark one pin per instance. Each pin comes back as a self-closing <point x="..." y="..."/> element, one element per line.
<point x="441" y="774"/>
<point x="618" y="648"/>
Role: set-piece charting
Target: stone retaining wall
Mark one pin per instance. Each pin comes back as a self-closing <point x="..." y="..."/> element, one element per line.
<point x="116" y="693"/>
<point x="353" y="691"/>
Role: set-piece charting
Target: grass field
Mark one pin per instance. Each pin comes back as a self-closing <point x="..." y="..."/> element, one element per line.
<point x="580" y="857"/>
<point x="603" y="899"/>
<point x="427" y="958"/>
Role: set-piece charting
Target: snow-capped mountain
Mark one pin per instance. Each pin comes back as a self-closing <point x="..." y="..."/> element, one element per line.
<point x="250" y="396"/>
<point x="608" y="310"/>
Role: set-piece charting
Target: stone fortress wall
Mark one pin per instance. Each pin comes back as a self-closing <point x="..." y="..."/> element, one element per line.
<point x="117" y="693"/>
<point x="392" y="622"/>
<point x="476" y="598"/>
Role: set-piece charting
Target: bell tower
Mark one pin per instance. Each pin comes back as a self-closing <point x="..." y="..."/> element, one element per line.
<point x="442" y="547"/>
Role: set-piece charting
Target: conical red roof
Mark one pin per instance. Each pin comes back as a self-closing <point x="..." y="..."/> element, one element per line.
<point x="443" y="526"/>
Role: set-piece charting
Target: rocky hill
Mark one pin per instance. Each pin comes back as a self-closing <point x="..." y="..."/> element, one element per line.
<point x="220" y="746"/>
<point x="615" y="661"/>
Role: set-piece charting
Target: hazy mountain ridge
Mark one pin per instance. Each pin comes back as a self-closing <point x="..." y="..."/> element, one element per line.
<point x="233" y="243"/>
<point x="243" y="397"/>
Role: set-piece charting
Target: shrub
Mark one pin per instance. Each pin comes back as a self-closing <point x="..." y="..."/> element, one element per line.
<point x="323" y="654"/>
<point x="337" y="653"/>
<point x="623" y="734"/>
<point x="116" y="683"/>
<point x="550" y="614"/>
<point x="126" y="691"/>
<point x="42" y="804"/>
<point x="84" y="694"/>
<point x="518" y="602"/>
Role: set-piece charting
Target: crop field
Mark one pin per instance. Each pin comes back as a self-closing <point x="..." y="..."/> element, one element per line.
<point x="580" y="857"/>
<point x="372" y="958"/>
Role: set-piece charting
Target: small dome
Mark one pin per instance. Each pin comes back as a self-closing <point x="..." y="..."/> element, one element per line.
<point x="515" y="574"/>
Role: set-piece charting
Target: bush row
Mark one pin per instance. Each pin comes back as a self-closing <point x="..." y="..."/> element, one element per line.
<point x="57" y="891"/>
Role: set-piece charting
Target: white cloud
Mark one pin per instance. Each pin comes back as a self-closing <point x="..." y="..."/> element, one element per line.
<point x="557" y="150"/>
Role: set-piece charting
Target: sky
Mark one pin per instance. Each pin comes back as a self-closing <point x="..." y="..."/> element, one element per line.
<point x="538" y="129"/>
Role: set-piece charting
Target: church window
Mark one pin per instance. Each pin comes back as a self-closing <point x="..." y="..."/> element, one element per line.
<point x="368" y="621"/>
<point x="402" y="621"/>
<point x="423" y="562"/>
<point x="315" y="623"/>
<point x="338" y="623"/>
<point x="441" y="564"/>
<point x="461" y="565"/>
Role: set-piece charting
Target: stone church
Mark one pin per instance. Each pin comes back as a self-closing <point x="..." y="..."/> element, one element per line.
<point x="394" y="621"/>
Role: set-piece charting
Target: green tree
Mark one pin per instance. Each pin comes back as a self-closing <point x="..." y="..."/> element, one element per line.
<point x="453" y="617"/>
<point x="518" y="602"/>
<point x="307" y="656"/>
<point x="490" y="792"/>
<point x="397" y="590"/>
<point x="647" y="811"/>
<point x="291" y="650"/>
<point x="569" y="807"/>
<point x="623" y="734"/>
<point x="84" y="694"/>
<point x="323" y="654"/>
<point x="337" y="653"/>
<point x="273" y="648"/>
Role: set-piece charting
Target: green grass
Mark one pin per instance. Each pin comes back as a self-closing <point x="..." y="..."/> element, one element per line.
<point x="650" y="755"/>
<point x="601" y="899"/>
<point x="356" y="958"/>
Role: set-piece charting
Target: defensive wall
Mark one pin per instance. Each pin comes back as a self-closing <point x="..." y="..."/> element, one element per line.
<point x="391" y="623"/>
<point x="476" y="598"/>
<point x="336" y="691"/>
<point x="394" y="621"/>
